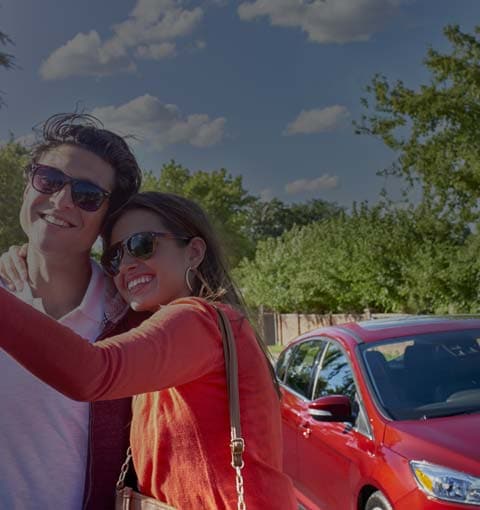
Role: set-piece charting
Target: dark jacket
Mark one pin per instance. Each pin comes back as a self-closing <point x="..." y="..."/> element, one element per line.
<point x="109" y="425"/>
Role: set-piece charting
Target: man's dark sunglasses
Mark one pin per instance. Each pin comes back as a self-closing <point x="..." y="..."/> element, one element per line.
<point x="140" y="245"/>
<point x="85" y="194"/>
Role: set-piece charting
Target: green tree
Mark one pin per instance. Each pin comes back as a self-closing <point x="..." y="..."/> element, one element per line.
<point x="7" y="60"/>
<point x="221" y="195"/>
<point x="377" y="258"/>
<point x="13" y="159"/>
<point x="435" y="129"/>
<point x="272" y="218"/>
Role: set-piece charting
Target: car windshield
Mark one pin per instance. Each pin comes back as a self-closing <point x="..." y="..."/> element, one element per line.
<point x="426" y="376"/>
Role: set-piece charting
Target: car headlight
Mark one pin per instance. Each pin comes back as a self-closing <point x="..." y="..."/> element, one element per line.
<point x="446" y="484"/>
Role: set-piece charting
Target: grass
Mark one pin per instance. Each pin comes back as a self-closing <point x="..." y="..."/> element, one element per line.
<point x="275" y="350"/>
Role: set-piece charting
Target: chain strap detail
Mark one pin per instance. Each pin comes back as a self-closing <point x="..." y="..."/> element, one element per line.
<point x="239" y="483"/>
<point x="124" y="470"/>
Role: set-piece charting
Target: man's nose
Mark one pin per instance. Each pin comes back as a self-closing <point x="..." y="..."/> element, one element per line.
<point x="63" y="198"/>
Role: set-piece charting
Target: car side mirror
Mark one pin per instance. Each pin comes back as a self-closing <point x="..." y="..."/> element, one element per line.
<point x="331" y="408"/>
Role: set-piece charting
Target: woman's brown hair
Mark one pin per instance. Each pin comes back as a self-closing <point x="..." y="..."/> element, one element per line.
<point x="185" y="218"/>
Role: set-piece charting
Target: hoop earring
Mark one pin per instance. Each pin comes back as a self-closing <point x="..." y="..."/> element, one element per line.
<point x="187" y="278"/>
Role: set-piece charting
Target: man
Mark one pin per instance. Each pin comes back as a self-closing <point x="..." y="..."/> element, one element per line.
<point x="57" y="453"/>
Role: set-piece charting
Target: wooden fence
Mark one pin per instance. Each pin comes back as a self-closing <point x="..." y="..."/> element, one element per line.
<point x="280" y="329"/>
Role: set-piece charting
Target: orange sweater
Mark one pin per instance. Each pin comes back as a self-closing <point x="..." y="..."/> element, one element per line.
<point x="180" y="429"/>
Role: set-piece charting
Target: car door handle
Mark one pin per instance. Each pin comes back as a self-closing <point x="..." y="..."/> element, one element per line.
<point x="306" y="430"/>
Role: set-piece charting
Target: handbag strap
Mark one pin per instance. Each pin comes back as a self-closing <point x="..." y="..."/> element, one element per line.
<point x="237" y="444"/>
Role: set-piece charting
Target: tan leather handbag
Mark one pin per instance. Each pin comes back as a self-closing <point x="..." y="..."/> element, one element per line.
<point x="128" y="499"/>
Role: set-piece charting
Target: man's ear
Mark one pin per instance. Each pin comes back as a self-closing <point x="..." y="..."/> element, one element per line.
<point x="196" y="252"/>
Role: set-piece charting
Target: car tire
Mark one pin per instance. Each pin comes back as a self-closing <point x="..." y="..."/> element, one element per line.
<point x="377" y="501"/>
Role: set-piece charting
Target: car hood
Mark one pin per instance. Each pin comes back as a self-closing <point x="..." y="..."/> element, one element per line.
<point x="453" y="441"/>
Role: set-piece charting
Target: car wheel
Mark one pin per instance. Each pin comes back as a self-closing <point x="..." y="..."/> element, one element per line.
<point x="377" y="501"/>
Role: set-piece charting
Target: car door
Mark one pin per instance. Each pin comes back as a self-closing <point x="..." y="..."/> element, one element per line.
<point x="295" y="370"/>
<point x="330" y="453"/>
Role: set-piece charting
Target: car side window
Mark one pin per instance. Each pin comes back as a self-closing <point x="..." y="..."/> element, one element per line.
<point x="302" y="365"/>
<point x="282" y="363"/>
<point x="335" y="376"/>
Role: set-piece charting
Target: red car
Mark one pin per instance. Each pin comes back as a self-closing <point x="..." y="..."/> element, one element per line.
<point x="383" y="415"/>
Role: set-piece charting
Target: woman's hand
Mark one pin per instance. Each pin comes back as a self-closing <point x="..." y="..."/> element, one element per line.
<point x="13" y="267"/>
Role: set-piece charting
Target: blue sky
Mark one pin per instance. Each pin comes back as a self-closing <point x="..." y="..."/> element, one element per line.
<point x="265" y="88"/>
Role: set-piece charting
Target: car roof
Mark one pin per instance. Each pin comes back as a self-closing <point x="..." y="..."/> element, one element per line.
<point x="382" y="329"/>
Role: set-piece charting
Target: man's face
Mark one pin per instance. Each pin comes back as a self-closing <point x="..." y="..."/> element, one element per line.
<point x="53" y="223"/>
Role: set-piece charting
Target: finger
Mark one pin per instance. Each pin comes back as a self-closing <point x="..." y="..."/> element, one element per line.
<point x="19" y="268"/>
<point x="11" y="268"/>
<point x="22" y="252"/>
<point x="5" y="271"/>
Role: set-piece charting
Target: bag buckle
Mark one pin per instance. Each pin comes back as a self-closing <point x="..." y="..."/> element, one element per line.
<point x="237" y="446"/>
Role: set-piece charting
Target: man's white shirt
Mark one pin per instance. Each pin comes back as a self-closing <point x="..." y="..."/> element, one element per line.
<point x="43" y="434"/>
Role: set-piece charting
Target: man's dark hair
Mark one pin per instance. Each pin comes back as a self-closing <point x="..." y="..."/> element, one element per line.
<point x="87" y="132"/>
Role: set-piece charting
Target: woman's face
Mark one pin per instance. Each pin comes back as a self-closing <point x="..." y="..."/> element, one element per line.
<point x="158" y="280"/>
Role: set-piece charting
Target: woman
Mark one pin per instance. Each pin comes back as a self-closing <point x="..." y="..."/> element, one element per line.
<point x="163" y="256"/>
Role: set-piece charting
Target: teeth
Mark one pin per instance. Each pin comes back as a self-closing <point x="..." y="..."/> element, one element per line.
<point x="55" y="221"/>
<point x="138" y="281"/>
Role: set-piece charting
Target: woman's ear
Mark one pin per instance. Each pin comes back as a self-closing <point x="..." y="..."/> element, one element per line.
<point x="196" y="252"/>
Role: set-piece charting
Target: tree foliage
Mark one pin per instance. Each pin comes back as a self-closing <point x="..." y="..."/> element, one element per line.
<point x="7" y="61"/>
<point x="13" y="159"/>
<point x="435" y="129"/>
<point x="377" y="258"/>
<point x="272" y="218"/>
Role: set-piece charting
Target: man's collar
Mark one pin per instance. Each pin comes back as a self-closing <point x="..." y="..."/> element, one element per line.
<point x="115" y="306"/>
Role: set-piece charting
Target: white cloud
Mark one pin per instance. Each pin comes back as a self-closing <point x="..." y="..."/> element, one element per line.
<point x="157" y="20"/>
<point x="318" y="120"/>
<point x="267" y="194"/>
<point x="218" y="3"/>
<point x="325" y="21"/>
<point x="27" y="140"/>
<point x="149" y="32"/>
<point x="157" y="51"/>
<point x="321" y="183"/>
<point x="85" y="55"/>
<point x="160" y="124"/>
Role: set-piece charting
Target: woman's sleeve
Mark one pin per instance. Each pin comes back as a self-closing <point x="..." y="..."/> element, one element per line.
<point x="178" y="344"/>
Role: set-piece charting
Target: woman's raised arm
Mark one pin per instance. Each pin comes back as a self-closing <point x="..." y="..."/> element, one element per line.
<point x="177" y="344"/>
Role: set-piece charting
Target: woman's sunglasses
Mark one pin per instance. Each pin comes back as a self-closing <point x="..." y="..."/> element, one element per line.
<point x="86" y="195"/>
<point x="141" y="245"/>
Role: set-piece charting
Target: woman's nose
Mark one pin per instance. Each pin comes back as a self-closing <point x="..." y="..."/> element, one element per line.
<point x="127" y="262"/>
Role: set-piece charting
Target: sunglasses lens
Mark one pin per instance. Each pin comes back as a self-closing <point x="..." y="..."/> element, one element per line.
<point x="47" y="180"/>
<point x="87" y="196"/>
<point x="141" y="245"/>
